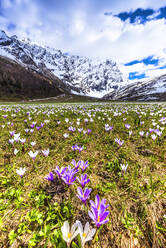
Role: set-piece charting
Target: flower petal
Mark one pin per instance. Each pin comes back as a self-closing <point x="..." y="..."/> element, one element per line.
<point x="90" y="234"/>
<point x="86" y="229"/>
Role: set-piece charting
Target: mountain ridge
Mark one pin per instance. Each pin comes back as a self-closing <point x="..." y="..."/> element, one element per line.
<point x="84" y="75"/>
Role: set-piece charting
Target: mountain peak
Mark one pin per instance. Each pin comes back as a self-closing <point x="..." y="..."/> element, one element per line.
<point x="2" y="34"/>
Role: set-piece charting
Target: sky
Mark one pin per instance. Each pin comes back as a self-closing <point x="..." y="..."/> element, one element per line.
<point x="130" y="32"/>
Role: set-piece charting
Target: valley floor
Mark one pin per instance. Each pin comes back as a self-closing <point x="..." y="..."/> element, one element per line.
<point x="122" y="149"/>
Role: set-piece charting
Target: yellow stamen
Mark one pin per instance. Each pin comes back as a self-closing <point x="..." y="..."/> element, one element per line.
<point x="98" y="219"/>
<point x="69" y="235"/>
<point x="84" y="235"/>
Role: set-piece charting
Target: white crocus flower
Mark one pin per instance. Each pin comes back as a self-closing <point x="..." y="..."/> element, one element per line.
<point x="124" y="167"/>
<point x="15" y="151"/>
<point x="69" y="234"/>
<point x="21" y="171"/>
<point x="153" y="136"/>
<point x="66" y="135"/>
<point x="33" y="143"/>
<point x="33" y="154"/>
<point x="86" y="234"/>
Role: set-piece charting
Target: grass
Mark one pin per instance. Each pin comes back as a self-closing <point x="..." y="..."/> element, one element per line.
<point x="33" y="210"/>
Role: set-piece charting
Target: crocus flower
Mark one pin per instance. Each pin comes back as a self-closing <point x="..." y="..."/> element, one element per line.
<point x="89" y="131"/>
<point x="153" y="136"/>
<point x="60" y="171"/>
<point x="98" y="213"/>
<point x="33" y="143"/>
<point x="83" y="195"/>
<point x="87" y="233"/>
<point x="17" y="137"/>
<point x="158" y="132"/>
<point x="127" y="126"/>
<point x="69" y="234"/>
<point x="11" y="141"/>
<point x="50" y="177"/>
<point x="83" y="165"/>
<point x="108" y="128"/>
<point x="21" y="171"/>
<point x="80" y="148"/>
<point x="66" y="135"/>
<point x="98" y="202"/>
<point x="32" y="125"/>
<point x="72" y="129"/>
<point x="46" y="152"/>
<point x="33" y="154"/>
<point x="69" y="176"/>
<point x="83" y="181"/>
<point x="124" y="167"/>
<point x="42" y="124"/>
<point x="119" y="142"/>
<point x="15" y="151"/>
<point x="74" y="147"/>
<point x="22" y="141"/>
<point x="141" y="133"/>
<point x="76" y="165"/>
<point x="130" y="133"/>
<point x="12" y="133"/>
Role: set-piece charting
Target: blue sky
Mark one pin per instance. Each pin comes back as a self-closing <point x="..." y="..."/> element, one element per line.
<point x="132" y="32"/>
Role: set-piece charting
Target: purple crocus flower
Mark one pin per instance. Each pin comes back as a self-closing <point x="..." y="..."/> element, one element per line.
<point x="83" y="195"/>
<point x="69" y="176"/>
<point x="89" y="131"/>
<point x="98" y="213"/>
<point x="83" y="181"/>
<point x="74" y="147"/>
<point x="12" y="133"/>
<point x="60" y="171"/>
<point x="50" y="177"/>
<point x="76" y="165"/>
<point x="84" y="165"/>
<point x="119" y="142"/>
<point x="42" y="124"/>
<point x="32" y="125"/>
<point x="98" y="202"/>
<point x="38" y="128"/>
<point x="72" y="129"/>
<point x="127" y="126"/>
<point x="80" y="148"/>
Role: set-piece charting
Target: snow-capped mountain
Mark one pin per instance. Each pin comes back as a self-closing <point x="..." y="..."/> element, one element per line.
<point x="149" y="90"/>
<point x="86" y="76"/>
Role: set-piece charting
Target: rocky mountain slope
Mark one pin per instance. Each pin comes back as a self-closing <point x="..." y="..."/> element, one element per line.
<point x="149" y="90"/>
<point x="16" y="82"/>
<point x="93" y="77"/>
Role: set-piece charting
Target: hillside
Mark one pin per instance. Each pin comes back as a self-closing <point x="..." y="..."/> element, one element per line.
<point x="16" y="82"/>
